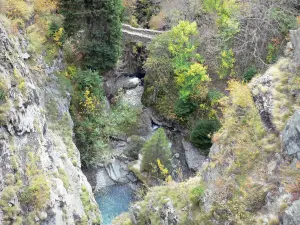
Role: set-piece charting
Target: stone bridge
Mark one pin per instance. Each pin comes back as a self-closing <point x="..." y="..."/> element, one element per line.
<point x="133" y="34"/>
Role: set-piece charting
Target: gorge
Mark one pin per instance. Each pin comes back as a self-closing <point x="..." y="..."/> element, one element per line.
<point x="149" y="112"/>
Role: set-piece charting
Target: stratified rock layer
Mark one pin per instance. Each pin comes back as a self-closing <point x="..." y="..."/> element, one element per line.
<point x="41" y="179"/>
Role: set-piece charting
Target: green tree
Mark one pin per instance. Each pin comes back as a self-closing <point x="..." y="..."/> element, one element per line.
<point x="99" y="23"/>
<point x="176" y="71"/>
<point x="157" y="147"/>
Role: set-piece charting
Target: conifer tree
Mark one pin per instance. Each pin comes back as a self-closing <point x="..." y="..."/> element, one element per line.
<point x="99" y="24"/>
<point x="157" y="147"/>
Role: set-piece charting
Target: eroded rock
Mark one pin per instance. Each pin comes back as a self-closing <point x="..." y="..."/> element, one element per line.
<point x="291" y="136"/>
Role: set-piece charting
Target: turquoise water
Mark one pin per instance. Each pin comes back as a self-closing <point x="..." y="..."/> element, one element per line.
<point x="113" y="201"/>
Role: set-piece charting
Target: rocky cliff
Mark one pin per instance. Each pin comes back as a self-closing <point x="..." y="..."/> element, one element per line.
<point x="40" y="176"/>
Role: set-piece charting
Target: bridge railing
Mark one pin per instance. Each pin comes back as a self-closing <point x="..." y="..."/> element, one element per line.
<point x="141" y="30"/>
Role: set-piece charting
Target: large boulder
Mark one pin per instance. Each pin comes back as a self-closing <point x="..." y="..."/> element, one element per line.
<point x="291" y="136"/>
<point x="103" y="180"/>
<point x="118" y="171"/>
<point x="193" y="158"/>
<point x="133" y="97"/>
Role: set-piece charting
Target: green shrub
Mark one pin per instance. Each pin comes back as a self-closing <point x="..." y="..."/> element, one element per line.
<point x="249" y="73"/>
<point x="37" y="193"/>
<point x="214" y="96"/>
<point x="93" y="124"/>
<point x="196" y="194"/>
<point x="64" y="177"/>
<point x="184" y="108"/>
<point x="201" y="134"/>
<point x="52" y="28"/>
<point x="89" y="79"/>
<point x="2" y="95"/>
<point x="272" y="53"/>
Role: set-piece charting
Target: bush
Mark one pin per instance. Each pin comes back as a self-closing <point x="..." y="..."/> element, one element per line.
<point x="184" y="108"/>
<point x="201" y="135"/>
<point x="249" y="73"/>
<point x="44" y="6"/>
<point x="196" y="194"/>
<point x="214" y="96"/>
<point x="3" y="92"/>
<point x="19" y="9"/>
<point x="286" y="21"/>
<point x="37" y="193"/>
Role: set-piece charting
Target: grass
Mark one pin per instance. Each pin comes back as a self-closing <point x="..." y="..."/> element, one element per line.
<point x="20" y="82"/>
<point x="89" y="206"/>
<point x="285" y="84"/>
<point x="64" y="177"/>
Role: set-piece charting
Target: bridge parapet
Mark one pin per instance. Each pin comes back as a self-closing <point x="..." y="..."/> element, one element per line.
<point x="138" y="34"/>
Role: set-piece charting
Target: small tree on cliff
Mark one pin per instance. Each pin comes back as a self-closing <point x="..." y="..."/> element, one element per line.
<point x="157" y="147"/>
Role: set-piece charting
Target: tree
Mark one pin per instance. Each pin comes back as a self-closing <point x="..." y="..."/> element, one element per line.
<point x="98" y="23"/>
<point x="157" y="147"/>
<point x="176" y="70"/>
<point x="201" y="135"/>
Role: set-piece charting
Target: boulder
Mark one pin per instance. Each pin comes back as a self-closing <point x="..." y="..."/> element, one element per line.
<point x="291" y="136"/>
<point x="118" y="171"/>
<point x="133" y="97"/>
<point x="193" y="158"/>
<point x="292" y="214"/>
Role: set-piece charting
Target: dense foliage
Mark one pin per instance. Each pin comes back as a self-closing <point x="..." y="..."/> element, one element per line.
<point x="176" y="68"/>
<point x="95" y="124"/>
<point x="177" y="81"/>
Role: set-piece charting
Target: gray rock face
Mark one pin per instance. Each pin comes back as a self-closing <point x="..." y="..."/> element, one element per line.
<point x="36" y="147"/>
<point x="103" y="180"/>
<point x="291" y="136"/>
<point x="292" y="214"/>
<point x="295" y="38"/>
<point x="193" y="158"/>
<point x="167" y="213"/>
<point x="116" y="172"/>
<point x="133" y="97"/>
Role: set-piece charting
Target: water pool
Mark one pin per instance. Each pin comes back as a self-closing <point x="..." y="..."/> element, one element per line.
<point x="113" y="201"/>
